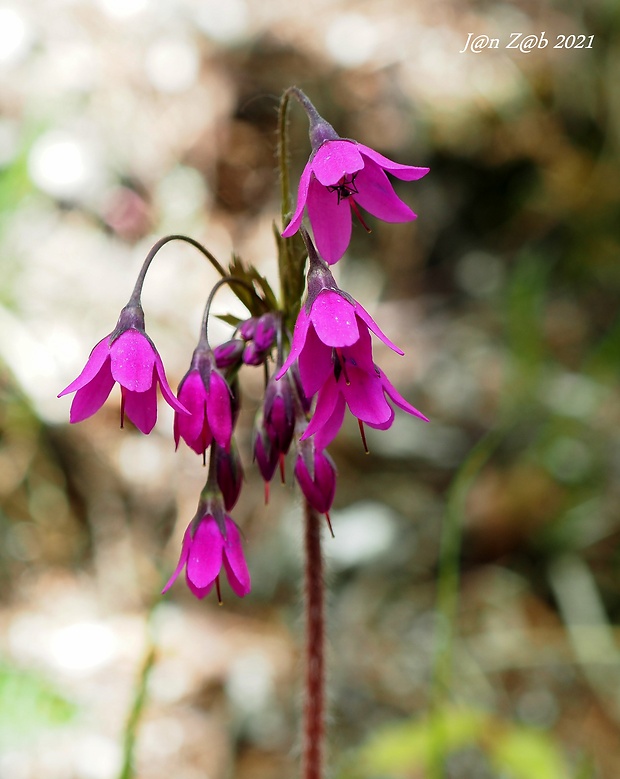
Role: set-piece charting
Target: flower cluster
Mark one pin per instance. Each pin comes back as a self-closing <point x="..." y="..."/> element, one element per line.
<point x="312" y="375"/>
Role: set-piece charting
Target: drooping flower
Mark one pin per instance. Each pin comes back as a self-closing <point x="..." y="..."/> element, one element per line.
<point x="360" y="385"/>
<point x="212" y="542"/>
<point x="129" y="357"/>
<point x="208" y="398"/>
<point x="315" y="473"/>
<point x="329" y="320"/>
<point x="340" y="177"/>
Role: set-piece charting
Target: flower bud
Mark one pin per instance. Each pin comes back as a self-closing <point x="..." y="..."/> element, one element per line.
<point x="229" y="353"/>
<point x="316" y="475"/>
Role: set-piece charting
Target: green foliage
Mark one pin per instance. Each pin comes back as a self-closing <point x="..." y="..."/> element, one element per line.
<point x="408" y="749"/>
<point x="29" y="703"/>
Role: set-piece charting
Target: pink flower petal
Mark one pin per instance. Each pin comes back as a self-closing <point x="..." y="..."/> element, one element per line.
<point x="98" y="356"/>
<point x="315" y="363"/>
<point x="90" y="398"/>
<point x="330" y="220"/>
<point x="370" y="322"/>
<point x="167" y="393"/>
<point x="204" y="560"/>
<point x="133" y="360"/>
<point x="334" y="319"/>
<point x="403" y="172"/>
<point x="377" y="196"/>
<point x="234" y="561"/>
<point x="330" y="429"/>
<point x="199" y="592"/>
<point x="364" y="396"/>
<point x="187" y="540"/>
<point x="193" y="396"/>
<point x="299" y="338"/>
<point x="359" y="355"/>
<point x="383" y="425"/>
<point x="325" y="406"/>
<point x="302" y="195"/>
<point x="398" y="398"/>
<point x="219" y="410"/>
<point x="141" y="407"/>
<point x="335" y="159"/>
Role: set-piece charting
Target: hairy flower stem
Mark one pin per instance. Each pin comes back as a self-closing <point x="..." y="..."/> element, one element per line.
<point x="314" y="705"/>
<point x="137" y="290"/>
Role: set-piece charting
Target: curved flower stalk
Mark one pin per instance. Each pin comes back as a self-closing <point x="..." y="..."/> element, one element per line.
<point x="129" y="357"/>
<point x="341" y="177"/>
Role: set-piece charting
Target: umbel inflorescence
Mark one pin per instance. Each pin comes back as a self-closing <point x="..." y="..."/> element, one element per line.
<point x="316" y="352"/>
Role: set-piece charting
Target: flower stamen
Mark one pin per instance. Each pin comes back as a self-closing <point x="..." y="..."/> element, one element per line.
<point x="358" y="214"/>
<point x="363" y="434"/>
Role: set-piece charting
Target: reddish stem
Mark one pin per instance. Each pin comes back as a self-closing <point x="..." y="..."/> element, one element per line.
<point x="314" y="714"/>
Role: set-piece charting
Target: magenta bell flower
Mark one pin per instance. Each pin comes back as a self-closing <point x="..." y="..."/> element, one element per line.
<point x="126" y="356"/>
<point x="212" y="541"/>
<point x="341" y="176"/>
<point x="330" y="319"/>
<point x="208" y="398"/>
<point x="361" y="386"/>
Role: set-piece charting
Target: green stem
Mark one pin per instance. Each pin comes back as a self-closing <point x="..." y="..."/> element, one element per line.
<point x="283" y="157"/>
<point x="448" y="591"/>
<point x="135" y="714"/>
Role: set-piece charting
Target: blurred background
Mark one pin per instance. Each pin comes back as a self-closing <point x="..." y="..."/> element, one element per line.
<point x="124" y="120"/>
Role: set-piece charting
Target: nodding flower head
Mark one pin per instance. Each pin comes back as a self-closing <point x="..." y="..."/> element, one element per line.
<point x="208" y="398"/>
<point x="212" y="542"/>
<point x="329" y="320"/>
<point x="341" y="177"/>
<point x="129" y="357"/>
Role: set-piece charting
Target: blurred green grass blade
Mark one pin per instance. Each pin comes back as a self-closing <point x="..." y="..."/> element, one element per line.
<point x="29" y="703"/>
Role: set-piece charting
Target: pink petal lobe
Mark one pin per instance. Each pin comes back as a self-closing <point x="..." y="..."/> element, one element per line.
<point x="141" y="408"/>
<point x="377" y="196"/>
<point x="219" y="411"/>
<point x="187" y="540"/>
<point x="403" y="172"/>
<point x="330" y="220"/>
<point x="325" y="406"/>
<point x="234" y="561"/>
<point x="326" y="434"/>
<point x="193" y="395"/>
<point x="204" y="560"/>
<point x="393" y="393"/>
<point x="98" y="356"/>
<point x="133" y="360"/>
<point x="167" y="394"/>
<point x="372" y="325"/>
<point x="335" y="159"/>
<point x="90" y="398"/>
<point x="302" y="195"/>
<point x="364" y="396"/>
<point x="299" y="338"/>
<point x="315" y="363"/>
<point x="334" y="319"/>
